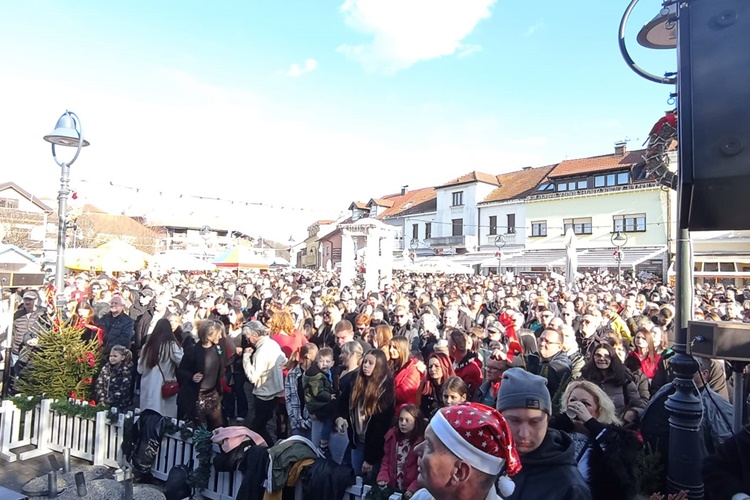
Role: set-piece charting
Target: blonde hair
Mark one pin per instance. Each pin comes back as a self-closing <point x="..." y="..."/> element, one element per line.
<point x="607" y="412"/>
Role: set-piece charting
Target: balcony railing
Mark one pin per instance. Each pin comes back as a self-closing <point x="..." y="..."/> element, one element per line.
<point x="447" y="241"/>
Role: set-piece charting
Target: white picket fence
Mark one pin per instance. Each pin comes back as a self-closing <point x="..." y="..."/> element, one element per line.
<point x="99" y="441"/>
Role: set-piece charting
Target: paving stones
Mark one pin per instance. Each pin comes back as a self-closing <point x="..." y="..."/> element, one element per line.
<point x="38" y="487"/>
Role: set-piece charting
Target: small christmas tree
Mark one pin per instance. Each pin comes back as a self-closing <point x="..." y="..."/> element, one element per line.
<point x="62" y="364"/>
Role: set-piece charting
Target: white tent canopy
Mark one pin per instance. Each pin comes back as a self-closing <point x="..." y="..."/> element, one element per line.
<point x="182" y="261"/>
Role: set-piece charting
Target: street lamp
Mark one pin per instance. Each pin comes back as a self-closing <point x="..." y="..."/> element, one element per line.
<point x="619" y="240"/>
<point x="69" y="133"/>
<point x="414" y="244"/>
<point x="499" y="243"/>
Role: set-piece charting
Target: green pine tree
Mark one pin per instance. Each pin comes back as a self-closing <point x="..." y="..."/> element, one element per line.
<point x="62" y="364"/>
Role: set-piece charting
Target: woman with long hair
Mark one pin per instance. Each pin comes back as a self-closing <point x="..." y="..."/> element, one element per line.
<point x="606" y="370"/>
<point x="606" y="453"/>
<point x="430" y="391"/>
<point x="405" y="371"/>
<point x="200" y="374"/>
<point x="159" y="359"/>
<point x="371" y="412"/>
<point x="84" y="319"/>
<point x="381" y="339"/>
<point x="644" y="355"/>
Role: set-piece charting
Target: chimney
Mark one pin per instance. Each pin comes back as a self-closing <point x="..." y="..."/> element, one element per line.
<point x="621" y="148"/>
<point x="526" y="168"/>
<point x="404" y="189"/>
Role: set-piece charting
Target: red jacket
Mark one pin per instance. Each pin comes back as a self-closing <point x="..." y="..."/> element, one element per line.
<point x="388" y="465"/>
<point x="470" y="371"/>
<point x="406" y="381"/>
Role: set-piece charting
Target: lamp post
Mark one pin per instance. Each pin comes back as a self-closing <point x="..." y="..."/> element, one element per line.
<point x="291" y="244"/>
<point x="499" y="243"/>
<point x="414" y="244"/>
<point x="619" y="240"/>
<point x="671" y="29"/>
<point x="69" y="133"/>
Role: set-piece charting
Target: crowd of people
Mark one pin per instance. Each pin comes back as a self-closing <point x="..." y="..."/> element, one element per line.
<point x="566" y="385"/>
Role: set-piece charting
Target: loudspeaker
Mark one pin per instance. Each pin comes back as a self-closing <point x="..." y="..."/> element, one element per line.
<point x="714" y="111"/>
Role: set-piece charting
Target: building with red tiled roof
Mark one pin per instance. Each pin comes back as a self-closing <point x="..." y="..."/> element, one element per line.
<point x="472" y="177"/>
<point x="621" y="159"/>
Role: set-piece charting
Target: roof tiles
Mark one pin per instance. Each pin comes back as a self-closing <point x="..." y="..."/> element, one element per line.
<point x="516" y="184"/>
<point x="472" y="177"/>
<point x="596" y="164"/>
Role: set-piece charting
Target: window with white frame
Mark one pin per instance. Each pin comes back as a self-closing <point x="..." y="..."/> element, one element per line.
<point x="613" y="179"/>
<point x="458" y="198"/>
<point x="580" y="225"/>
<point x="539" y="228"/>
<point x="8" y="203"/>
<point x="493" y="224"/>
<point x="631" y="223"/>
<point x="415" y="231"/>
<point x="427" y="230"/>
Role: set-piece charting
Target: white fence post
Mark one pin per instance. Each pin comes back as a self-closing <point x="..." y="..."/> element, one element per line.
<point x="42" y="432"/>
<point x="8" y="408"/>
<point x="99" y="437"/>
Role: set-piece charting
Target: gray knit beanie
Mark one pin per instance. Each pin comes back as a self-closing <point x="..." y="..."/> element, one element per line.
<point x="521" y="389"/>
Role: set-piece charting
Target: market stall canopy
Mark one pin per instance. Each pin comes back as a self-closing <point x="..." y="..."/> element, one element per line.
<point x="437" y="266"/>
<point x="280" y="262"/>
<point x="240" y="257"/>
<point x="113" y="256"/>
<point x="182" y="261"/>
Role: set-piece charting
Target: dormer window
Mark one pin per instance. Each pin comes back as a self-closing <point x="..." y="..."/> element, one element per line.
<point x="613" y="179"/>
<point x="572" y="184"/>
<point x="547" y="186"/>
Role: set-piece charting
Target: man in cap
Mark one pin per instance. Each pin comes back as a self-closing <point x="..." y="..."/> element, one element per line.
<point x="548" y="459"/>
<point x="118" y="327"/>
<point x="25" y="320"/>
<point x="467" y="453"/>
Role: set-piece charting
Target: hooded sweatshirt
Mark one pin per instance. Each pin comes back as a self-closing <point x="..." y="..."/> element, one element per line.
<point x="551" y="471"/>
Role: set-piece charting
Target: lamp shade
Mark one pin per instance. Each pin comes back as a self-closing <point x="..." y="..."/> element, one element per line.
<point x="661" y="31"/>
<point x="66" y="133"/>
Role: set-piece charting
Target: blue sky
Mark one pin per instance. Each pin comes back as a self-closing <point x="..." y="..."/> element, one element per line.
<point x="313" y="103"/>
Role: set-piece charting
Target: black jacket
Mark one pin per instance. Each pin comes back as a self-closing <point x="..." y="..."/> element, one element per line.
<point x="377" y="426"/>
<point x="727" y="472"/>
<point x="612" y="459"/>
<point x="193" y="362"/>
<point x="326" y="479"/>
<point x="148" y="431"/>
<point x="118" y="330"/>
<point x="551" y="472"/>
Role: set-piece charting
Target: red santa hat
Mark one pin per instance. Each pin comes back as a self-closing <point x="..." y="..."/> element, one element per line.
<point x="480" y="436"/>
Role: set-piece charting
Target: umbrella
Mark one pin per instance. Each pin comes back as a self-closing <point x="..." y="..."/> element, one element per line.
<point x="113" y="256"/>
<point x="182" y="261"/>
<point x="241" y="258"/>
<point x="571" y="258"/>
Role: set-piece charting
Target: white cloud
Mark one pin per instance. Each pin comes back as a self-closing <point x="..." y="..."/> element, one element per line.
<point x="405" y="32"/>
<point x="296" y="70"/>
<point x="533" y="29"/>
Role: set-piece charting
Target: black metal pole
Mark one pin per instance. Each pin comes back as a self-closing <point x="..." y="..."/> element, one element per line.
<point x="684" y="406"/>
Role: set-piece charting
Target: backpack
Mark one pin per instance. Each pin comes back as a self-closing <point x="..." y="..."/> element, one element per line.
<point x="176" y="487"/>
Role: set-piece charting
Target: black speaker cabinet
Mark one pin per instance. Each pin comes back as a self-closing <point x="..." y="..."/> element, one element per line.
<point x="724" y="339"/>
<point x="20" y="280"/>
<point x="714" y="92"/>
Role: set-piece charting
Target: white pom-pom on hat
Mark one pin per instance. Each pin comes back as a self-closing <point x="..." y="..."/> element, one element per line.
<point x="506" y="486"/>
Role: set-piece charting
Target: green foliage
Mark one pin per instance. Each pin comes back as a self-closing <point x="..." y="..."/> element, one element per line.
<point x="378" y="493"/>
<point x="26" y="403"/>
<point x="651" y="471"/>
<point x="62" y="364"/>
<point x="203" y="448"/>
<point x="77" y="408"/>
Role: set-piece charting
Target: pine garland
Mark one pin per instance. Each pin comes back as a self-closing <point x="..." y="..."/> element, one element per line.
<point x="25" y="403"/>
<point x="62" y="364"/>
<point x="78" y="408"/>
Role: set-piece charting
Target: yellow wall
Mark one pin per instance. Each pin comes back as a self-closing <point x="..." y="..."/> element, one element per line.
<point x="601" y="208"/>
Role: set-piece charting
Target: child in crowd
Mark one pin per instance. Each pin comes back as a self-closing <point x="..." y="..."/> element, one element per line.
<point x="114" y="385"/>
<point x="455" y="391"/>
<point x="398" y="469"/>
<point x="318" y="388"/>
<point x="294" y="394"/>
